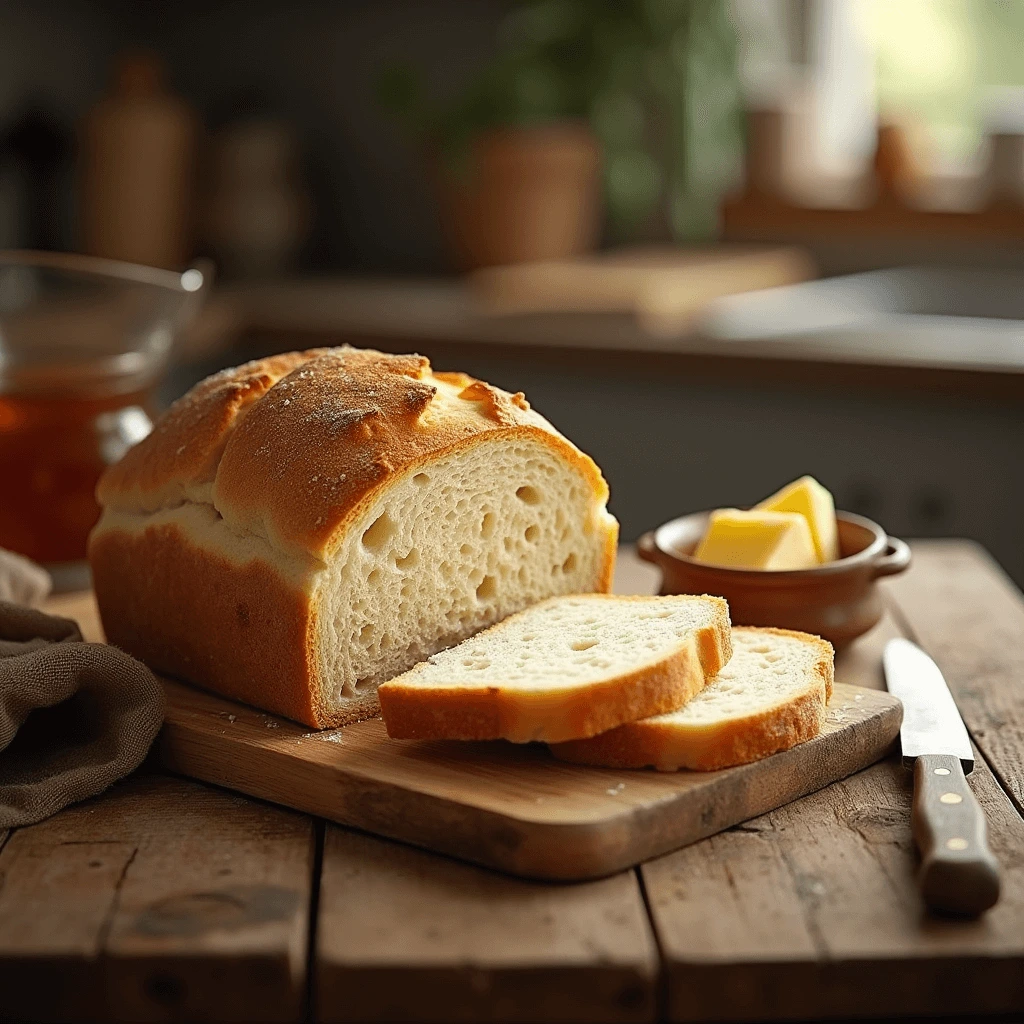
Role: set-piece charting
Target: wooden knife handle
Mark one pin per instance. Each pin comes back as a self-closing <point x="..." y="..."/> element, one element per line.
<point x="959" y="874"/>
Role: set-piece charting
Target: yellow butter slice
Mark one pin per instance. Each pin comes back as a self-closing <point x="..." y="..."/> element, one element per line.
<point x="807" y="497"/>
<point x="757" y="540"/>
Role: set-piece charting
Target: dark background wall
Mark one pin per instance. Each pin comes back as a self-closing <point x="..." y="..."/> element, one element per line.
<point x="313" y="63"/>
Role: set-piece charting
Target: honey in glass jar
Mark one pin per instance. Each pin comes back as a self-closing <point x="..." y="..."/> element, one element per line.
<point x="53" y="449"/>
<point x="83" y="343"/>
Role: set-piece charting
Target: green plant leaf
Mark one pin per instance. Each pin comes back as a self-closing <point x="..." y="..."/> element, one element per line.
<point x="618" y="119"/>
<point x="657" y="80"/>
<point x="633" y="182"/>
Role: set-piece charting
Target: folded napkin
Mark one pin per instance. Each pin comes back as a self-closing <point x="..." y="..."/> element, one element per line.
<point x="74" y="717"/>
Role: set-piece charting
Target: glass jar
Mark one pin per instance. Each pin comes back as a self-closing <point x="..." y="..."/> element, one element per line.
<point x="83" y="342"/>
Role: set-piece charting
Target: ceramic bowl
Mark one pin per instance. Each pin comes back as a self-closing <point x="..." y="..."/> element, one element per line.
<point x="838" y="601"/>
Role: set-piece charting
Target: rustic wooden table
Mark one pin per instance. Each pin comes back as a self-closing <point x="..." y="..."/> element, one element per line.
<point x="165" y="899"/>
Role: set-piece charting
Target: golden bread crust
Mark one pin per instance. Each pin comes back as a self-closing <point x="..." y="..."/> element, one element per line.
<point x="150" y="588"/>
<point x="295" y="444"/>
<point x="305" y="458"/>
<point x="488" y="713"/>
<point x="643" y="744"/>
<point x="187" y="442"/>
<point x="239" y="630"/>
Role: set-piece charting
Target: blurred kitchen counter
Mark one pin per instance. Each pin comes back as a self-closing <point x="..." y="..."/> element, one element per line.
<point x="398" y="314"/>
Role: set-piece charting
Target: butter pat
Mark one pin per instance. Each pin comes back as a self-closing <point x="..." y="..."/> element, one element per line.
<point x="757" y="540"/>
<point x="811" y="500"/>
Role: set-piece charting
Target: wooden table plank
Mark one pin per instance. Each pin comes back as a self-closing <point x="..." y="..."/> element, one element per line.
<point x="963" y="609"/>
<point x="860" y="664"/>
<point x="80" y="606"/>
<point x="633" y="575"/>
<point x="812" y="910"/>
<point x="55" y="903"/>
<point x="161" y="899"/>
<point x="808" y="911"/>
<point x="407" y="935"/>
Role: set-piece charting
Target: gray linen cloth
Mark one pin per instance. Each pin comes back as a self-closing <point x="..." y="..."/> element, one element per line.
<point x="74" y="716"/>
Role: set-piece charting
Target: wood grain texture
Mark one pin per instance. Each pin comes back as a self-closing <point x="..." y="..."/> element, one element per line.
<point x="405" y="935"/>
<point x="508" y="806"/>
<point x="966" y="613"/>
<point x="860" y="664"/>
<point x="160" y="900"/>
<point x="80" y="606"/>
<point x="813" y="910"/>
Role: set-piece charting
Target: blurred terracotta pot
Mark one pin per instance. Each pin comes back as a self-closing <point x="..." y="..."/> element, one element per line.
<point x="522" y="194"/>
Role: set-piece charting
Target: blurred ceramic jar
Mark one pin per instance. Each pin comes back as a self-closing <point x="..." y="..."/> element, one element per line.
<point x="137" y="162"/>
<point x="258" y="213"/>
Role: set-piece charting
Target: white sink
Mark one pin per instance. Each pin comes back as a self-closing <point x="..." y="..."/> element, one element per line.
<point x="937" y="316"/>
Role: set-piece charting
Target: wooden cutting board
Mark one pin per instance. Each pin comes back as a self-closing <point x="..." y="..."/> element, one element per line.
<point x="506" y="806"/>
<point x="510" y="807"/>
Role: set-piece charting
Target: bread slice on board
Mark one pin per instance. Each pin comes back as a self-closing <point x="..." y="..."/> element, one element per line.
<point x="769" y="697"/>
<point x="566" y="668"/>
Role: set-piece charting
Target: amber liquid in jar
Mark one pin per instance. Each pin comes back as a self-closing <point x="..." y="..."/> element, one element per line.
<point x="53" y="449"/>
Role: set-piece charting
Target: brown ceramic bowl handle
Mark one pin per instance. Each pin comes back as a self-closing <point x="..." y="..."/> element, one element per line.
<point x="895" y="558"/>
<point x="647" y="549"/>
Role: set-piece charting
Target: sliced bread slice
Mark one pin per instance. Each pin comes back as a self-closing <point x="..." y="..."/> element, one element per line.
<point x="566" y="668"/>
<point x="769" y="697"/>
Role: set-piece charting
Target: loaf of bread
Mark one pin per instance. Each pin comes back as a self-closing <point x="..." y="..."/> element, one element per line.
<point x="769" y="697"/>
<point x="301" y="528"/>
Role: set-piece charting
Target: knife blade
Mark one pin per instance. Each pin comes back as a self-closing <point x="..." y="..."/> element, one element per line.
<point x="931" y="720"/>
<point x="959" y="874"/>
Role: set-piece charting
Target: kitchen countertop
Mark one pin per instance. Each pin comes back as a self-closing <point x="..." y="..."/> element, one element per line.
<point x="425" y="311"/>
<point x="167" y="899"/>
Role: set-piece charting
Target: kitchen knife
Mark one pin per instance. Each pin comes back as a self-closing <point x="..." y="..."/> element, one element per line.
<point x="959" y="874"/>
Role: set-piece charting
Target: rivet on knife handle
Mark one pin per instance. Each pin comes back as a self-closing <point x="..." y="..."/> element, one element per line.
<point x="959" y="874"/>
